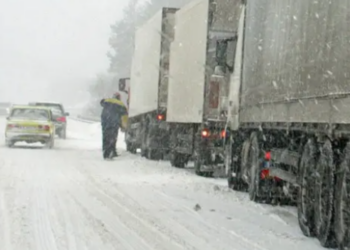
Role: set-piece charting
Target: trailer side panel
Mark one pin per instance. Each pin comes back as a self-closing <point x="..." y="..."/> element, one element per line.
<point x="144" y="80"/>
<point x="187" y="60"/>
<point x="296" y="62"/>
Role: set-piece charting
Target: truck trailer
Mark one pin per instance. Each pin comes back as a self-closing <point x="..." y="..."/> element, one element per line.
<point x="288" y="126"/>
<point x="198" y="84"/>
<point x="147" y="128"/>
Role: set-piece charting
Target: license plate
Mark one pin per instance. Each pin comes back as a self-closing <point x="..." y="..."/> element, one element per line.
<point x="28" y="128"/>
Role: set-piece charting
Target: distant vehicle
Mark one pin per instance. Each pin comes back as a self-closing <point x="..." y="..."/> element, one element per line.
<point x="59" y="116"/>
<point x="30" y="124"/>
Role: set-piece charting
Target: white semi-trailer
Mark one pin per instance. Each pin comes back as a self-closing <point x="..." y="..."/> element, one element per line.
<point x="198" y="84"/>
<point x="288" y="121"/>
<point x="149" y="86"/>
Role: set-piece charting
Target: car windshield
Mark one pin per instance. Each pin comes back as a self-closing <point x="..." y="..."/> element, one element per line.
<point x="55" y="108"/>
<point x="56" y="111"/>
<point x="30" y="114"/>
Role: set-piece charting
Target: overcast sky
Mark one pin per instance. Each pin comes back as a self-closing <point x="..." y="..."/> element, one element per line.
<point x="47" y="43"/>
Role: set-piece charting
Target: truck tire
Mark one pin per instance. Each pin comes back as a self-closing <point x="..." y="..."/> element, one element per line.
<point x="244" y="167"/>
<point x="177" y="160"/>
<point x="198" y="163"/>
<point x="231" y="180"/>
<point x="234" y="182"/>
<point x="306" y="190"/>
<point x="254" y="165"/>
<point x="154" y="154"/>
<point x="342" y="190"/>
<point x="324" y="190"/>
<point x="131" y="148"/>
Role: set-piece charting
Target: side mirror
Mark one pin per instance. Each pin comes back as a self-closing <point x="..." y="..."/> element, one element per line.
<point x="66" y="114"/>
<point x="222" y="47"/>
<point x="221" y="53"/>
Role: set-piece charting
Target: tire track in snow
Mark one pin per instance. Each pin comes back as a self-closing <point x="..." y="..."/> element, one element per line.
<point x="219" y="230"/>
<point x="194" y="223"/>
<point x="175" y="217"/>
<point x="17" y="199"/>
<point x="70" y="232"/>
<point x="109" y="224"/>
<point x="110" y="232"/>
<point x="5" y="227"/>
<point x="42" y="226"/>
<point x="79" y="232"/>
<point x="265" y="233"/>
<point x="140" y="218"/>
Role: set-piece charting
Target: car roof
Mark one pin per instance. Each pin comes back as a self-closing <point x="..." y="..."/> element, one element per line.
<point x="57" y="103"/>
<point x="29" y="107"/>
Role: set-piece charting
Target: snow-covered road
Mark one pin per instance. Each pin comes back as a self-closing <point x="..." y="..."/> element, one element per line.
<point x="69" y="198"/>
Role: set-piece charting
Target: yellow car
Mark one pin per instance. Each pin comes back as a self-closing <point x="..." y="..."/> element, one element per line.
<point x="30" y="124"/>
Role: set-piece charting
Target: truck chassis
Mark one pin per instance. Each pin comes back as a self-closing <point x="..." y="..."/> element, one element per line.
<point x="307" y="163"/>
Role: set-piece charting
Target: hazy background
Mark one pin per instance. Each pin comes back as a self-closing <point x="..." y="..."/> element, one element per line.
<point x="51" y="49"/>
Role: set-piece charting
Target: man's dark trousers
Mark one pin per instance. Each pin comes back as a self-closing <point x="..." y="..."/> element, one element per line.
<point x="116" y="140"/>
<point x="109" y="134"/>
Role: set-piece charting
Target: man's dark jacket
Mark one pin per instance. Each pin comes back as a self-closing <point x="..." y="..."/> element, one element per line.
<point x="112" y="112"/>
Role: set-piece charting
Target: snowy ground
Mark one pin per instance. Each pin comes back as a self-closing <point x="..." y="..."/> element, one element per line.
<point x="69" y="198"/>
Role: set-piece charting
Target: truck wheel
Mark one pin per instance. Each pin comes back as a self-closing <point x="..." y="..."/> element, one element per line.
<point x="231" y="180"/>
<point x="307" y="189"/>
<point x="144" y="152"/>
<point x="198" y="163"/>
<point x="342" y="190"/>
<point x="243" y="168"/>
<point x="153" y="154"/>
<point x="254" y="165"/>
<point x="130" y="148"/>
<point x="177" y="160"/>
<point x="324" y="189"/>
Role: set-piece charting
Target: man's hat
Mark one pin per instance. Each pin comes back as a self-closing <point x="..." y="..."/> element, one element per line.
<point x="116" y="95"/>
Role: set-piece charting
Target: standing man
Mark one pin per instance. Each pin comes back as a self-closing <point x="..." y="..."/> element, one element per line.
<point x="112" y="112"/>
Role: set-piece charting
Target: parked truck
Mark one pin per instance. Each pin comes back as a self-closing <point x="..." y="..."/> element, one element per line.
<point x="147" y="128"/>
<point x="198" y="84"/>
<point x="288" y="123"/>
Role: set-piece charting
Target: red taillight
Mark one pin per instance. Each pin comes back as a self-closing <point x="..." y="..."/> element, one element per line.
<point x="205" y="133"/>
<point x="160" y="117"/>
<point x="223" y="134"/>
<point x="45" y="127"/>
<point x="61" y="119"/>
<point x="268" y="156"/>
<point x="264" y="173"/>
